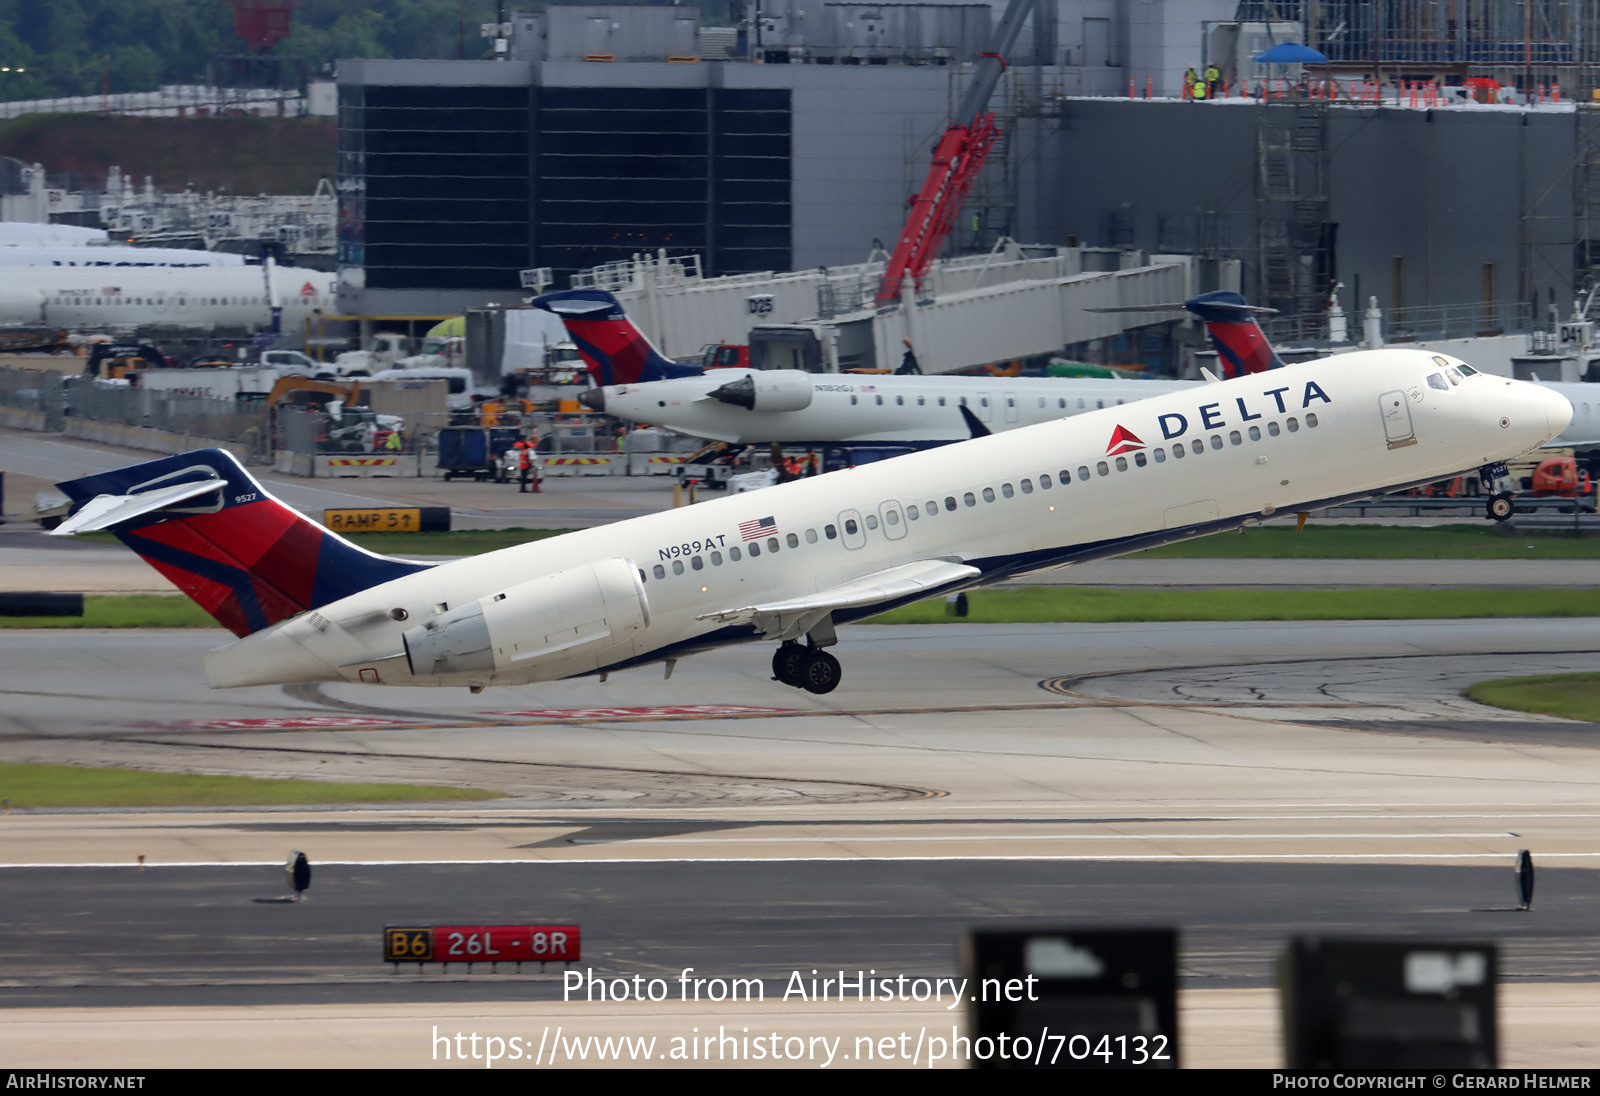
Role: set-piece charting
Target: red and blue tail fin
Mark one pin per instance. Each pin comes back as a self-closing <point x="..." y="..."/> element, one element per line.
<point x="615" y="351"/>
<point x="206" y="524"/>
<point x="1241" y="347"/>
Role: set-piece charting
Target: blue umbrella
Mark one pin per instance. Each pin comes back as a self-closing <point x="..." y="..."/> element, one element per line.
<point x="1291" y="53"/>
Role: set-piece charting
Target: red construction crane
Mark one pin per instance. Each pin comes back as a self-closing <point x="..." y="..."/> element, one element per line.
<point x="957" y="159"/>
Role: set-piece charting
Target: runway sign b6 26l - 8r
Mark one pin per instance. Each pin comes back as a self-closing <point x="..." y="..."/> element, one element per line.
<point x="480" y="943"/>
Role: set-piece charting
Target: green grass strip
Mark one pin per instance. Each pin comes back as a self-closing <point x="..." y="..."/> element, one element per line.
<point x="1480" y="541"/>
<point x="125" y="611"/>
<point x="1098" y="605"/>
<point x="1573" y="696"/>
<point x="75" y="786"/>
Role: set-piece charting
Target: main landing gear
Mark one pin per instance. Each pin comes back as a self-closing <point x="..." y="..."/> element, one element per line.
<point x="806" y="667"/>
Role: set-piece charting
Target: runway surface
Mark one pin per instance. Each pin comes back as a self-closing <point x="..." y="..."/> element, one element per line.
<point x="1243" y="782"/>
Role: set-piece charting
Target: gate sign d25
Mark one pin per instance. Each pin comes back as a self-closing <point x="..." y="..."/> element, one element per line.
<point x="481" y="944"/>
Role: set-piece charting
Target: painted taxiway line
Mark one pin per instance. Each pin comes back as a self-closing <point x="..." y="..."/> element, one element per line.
<point x="1319" y="857"/>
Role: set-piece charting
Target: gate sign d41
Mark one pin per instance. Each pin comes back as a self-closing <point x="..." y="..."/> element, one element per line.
<point x="480" y="944"/>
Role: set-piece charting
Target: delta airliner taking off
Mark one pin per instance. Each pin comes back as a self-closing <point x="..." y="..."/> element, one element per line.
<point x="790" y="563"/>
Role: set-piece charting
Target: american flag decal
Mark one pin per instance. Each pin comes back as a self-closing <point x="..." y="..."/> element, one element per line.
<point x="761" y="527"/>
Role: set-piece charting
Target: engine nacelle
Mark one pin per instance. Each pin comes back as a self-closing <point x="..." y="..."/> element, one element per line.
<point x="768" y="390"/>
<point x="574" y="618"/>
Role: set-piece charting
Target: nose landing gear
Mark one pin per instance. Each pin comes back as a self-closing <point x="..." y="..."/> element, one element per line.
<point x="1500" y="505"/>
<point x="806" y="667"/>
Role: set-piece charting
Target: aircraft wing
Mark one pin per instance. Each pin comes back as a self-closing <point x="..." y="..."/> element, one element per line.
<point x="104" y="511"/>
<point x="794" y="617"/>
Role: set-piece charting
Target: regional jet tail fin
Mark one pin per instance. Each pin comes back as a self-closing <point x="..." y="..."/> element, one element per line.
<point x="615" y="351"/>
<point x="1231" y="323"/>
<point x="241" y="555"/>
<point x="797" y="616"/>
<point x="1240" y="345"/>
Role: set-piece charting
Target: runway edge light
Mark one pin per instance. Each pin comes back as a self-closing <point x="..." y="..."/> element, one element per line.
<point x="1525" y="878"/>
<point x="297" y="871"/>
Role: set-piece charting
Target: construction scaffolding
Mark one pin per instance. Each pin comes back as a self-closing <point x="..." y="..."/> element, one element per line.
<point x="1293" y="255"/>
<point x="1519" y="43"/>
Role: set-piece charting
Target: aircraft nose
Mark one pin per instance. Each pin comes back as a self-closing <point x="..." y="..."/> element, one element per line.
<point x="593" y="398"/>
<point x="1557" y="410"/>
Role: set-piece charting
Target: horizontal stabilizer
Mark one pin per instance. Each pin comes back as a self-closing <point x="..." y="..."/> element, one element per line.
<point x="786" y="619"/>
<point x="572" y="304"/>
<point x="105" y="511"/>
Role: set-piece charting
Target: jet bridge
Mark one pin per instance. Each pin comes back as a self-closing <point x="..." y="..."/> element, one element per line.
<point x="993" y="323"/>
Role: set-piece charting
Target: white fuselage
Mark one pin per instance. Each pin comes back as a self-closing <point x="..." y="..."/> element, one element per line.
<point x="886" y="409"/>
<point x="117" y="257"/>
<point x="891" y="409"/>
<point x="1093" y="485"/>
<point x="126" y="298"/>
<point x="1584" y="431"/>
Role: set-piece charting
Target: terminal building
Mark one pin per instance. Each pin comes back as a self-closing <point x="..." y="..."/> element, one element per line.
<point x="793" y="141"/>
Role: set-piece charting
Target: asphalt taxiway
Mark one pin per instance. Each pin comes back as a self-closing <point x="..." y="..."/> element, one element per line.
<point x="1245" y="782"/>
<point x="1242" y="782"/>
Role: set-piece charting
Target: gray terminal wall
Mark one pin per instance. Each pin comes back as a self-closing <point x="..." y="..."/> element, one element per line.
<point x="1430" y="207"/>
<point x="763" y="167"/>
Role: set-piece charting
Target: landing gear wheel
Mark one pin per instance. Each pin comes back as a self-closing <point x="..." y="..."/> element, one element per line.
<point x="1500" y="507"/>
<point x="821" y="673"/>
<point x="787" y="663"/>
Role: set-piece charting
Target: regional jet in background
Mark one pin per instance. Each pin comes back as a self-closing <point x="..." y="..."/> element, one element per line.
<point x="792" y="407"/>
<point x="789" y="564"/>
<point x="81" y="297"/>
<point x="745" y="406"/>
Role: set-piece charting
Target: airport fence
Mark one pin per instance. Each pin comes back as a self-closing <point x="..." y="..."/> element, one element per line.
<point x="196" y="418"/>
<point x="38" y="397"/>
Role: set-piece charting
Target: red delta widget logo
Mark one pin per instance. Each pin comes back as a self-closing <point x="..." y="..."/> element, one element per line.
<point x="1123" y="440"/>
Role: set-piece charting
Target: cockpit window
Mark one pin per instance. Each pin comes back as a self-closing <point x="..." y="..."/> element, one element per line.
<point x="1455" y="378"/>
<point x="1436" y="380"/>
<point x="1467" y="371"/>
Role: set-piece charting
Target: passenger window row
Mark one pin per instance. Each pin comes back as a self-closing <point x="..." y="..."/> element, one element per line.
<point x="735" y="553"/>
<point x="1026" y="486"/>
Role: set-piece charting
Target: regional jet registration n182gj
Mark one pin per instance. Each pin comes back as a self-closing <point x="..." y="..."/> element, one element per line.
<point x="790" y="563"/>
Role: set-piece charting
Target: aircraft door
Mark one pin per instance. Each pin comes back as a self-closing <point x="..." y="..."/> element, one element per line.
<point x="1397" y="429"/>
<point x="852" y="533"/>
<point x="1010" y="406"/>
<point x="893" y="519"/>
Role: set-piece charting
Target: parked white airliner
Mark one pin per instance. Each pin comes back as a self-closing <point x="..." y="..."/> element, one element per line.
<point x="794" y="561"/>
<point x="117" y="257"/>
<point x="96" y="297"/>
